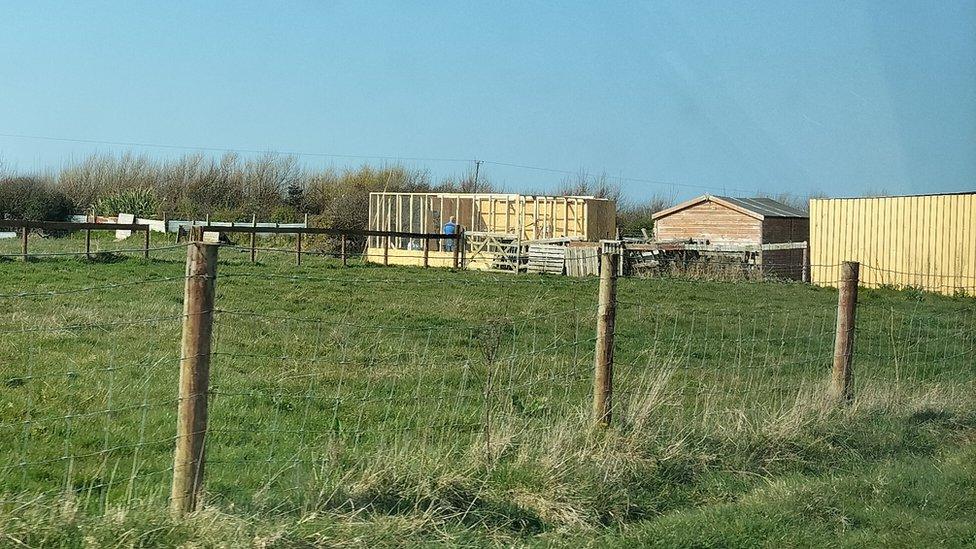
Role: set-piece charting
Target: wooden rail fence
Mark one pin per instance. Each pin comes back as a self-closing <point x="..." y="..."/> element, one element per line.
<point x="27" y="225"/>
<point x="344" y="235"/>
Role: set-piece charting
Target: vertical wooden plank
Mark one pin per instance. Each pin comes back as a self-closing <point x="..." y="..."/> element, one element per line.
<point x="412" y="229"/>
<point x="88" y="234"/>
<point x="492" y="224"/>
<point x="342" y="248"/>
<point x="552" y="217"/>
<point x="23" y="244"/>
<point x="565" y="216"/>
<point x="520" y="217"/>
<point x="145" y="247"/>
<point x="372" y="223"/>
<point x="474" y="199"/>
<point x="585" y="226"/>
<point x="535" y="218"/>
<point x="399" y="219"/>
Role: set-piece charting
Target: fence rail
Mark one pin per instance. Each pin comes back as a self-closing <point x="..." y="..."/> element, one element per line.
<point x="27" y="225"/>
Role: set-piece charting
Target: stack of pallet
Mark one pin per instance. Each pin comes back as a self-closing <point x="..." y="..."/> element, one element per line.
<point x="546" y="258"/>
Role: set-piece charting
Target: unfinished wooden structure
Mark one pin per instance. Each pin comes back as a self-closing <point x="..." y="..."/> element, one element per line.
<point x="764" y="232"/>
<point x="923" y="241"/>
<point x="498" y="228"/>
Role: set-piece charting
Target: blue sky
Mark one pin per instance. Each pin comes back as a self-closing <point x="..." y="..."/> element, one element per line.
<point x="839" y="98"/>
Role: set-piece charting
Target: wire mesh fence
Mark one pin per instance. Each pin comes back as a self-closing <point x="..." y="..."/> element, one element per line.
<point x="320" y="378"/>
<point x="88" y="400"/>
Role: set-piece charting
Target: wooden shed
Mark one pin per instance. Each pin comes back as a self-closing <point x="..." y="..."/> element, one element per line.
<point x="498" y="227"/>
<point x="748" y="225"/>
<point x="921" y="241"/>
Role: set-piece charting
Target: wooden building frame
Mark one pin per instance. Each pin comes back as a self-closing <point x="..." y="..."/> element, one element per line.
<point x="497" y="226"/>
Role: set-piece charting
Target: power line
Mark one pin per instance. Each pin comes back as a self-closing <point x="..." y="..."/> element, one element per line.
<point x="477" y="163"/>
<point x="223" y="149"/>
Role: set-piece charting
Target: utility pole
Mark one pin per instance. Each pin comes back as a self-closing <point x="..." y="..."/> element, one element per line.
<point x="477" y="170"/>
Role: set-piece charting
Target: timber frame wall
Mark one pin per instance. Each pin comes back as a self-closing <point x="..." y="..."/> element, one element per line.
<point x="521" y="216"/>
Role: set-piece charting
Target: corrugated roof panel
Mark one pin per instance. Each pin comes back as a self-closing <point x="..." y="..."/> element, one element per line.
<point x="765" y="206"/>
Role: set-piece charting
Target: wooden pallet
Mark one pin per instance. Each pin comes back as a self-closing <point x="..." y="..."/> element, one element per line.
<point x="546" y="258"/>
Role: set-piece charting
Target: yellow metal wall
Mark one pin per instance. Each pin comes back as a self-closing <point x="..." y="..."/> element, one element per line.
<point x="926" y="242"/>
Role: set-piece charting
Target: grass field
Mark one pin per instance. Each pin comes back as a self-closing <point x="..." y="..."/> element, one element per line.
<point x="389" y="406"/>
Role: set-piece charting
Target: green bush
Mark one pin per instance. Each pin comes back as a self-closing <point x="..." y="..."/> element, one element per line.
<point x="32" y="198"/>
<point x="139" y="202"/>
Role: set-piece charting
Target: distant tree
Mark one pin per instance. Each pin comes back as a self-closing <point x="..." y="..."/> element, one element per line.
<point x="32" y="198"/>
<point x="295" y="196"/>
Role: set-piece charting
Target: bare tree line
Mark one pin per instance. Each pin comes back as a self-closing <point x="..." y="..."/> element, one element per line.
<point x="276" y="187"/>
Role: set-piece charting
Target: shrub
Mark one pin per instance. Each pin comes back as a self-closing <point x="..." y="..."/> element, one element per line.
<point x="32" y="198"/>
<point x="139" y="202"/>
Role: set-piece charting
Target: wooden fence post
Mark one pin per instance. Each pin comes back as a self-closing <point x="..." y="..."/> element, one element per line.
<point x="342" y="248"/>
<point x="426" y="252"/>
<point x="298" y="250"/>
<point x="24" y="243"/>
<point x="88" y="244"/>
<point x="841" y="388"/>
<point x="198" y="305"/>
<point x="462" y="241"/>
<point x="254" y="237"/>
<point x="805" y="275"/>
<point x="606" y="318"/>
<point x="386" y="250"/>
<point x="457" y="248"/>
<point x="145" y="250"/>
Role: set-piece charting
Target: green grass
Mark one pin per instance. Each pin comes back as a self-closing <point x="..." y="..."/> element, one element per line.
<point x="350" y="405"/>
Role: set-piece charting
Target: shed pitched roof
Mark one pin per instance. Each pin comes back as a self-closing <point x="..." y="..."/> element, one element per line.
<point x="758" y="208"/>
<point x="766" y="207"/>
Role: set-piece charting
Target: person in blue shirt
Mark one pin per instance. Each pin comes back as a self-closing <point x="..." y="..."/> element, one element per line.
<point x="450" y="227"/>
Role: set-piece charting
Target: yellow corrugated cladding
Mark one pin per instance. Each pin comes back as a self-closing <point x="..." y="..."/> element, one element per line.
<point x="926" y="242"/>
